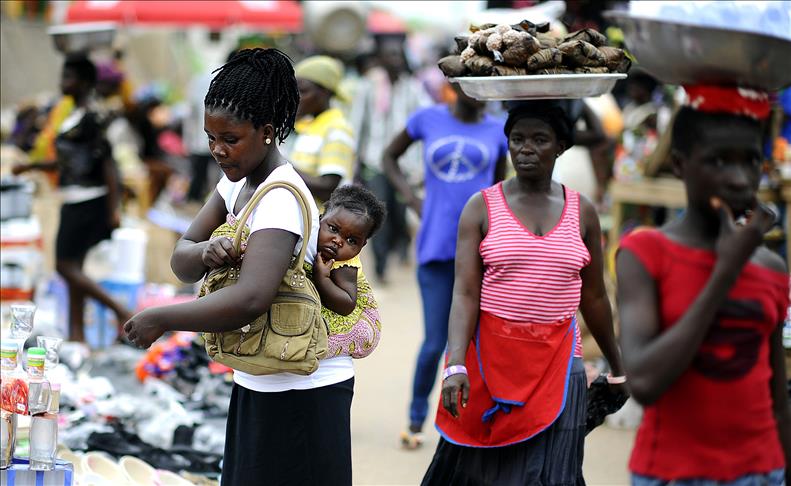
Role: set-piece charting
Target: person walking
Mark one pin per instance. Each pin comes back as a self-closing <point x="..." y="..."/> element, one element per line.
<point x="323" y="150"/>
<point x="282" y="428"/>
<point x="529" y="255"/>
<point x="387" y="96"/>
<point x="88" y="185"/>
<point x="464" y="151"/>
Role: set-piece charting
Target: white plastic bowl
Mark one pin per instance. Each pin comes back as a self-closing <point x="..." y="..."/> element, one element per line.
<point x="138" y="471"/>
<point x="167" y="478"/>
<point x="103" y="466"/>
<point x="74" y="458"/>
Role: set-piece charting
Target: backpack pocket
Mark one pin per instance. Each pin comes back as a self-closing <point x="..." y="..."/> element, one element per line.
<point x="245" y="341"/>
<point x="293" y="313"/>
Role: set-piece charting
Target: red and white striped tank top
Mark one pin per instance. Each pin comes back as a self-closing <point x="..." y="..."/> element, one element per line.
<point x="532" y="278"/>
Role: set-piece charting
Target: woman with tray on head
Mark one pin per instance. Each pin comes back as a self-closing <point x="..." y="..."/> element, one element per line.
<point x="702" y="305"/>
<point x="528" y="257"/>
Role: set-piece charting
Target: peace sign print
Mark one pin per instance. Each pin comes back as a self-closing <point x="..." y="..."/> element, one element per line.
<point x="457" y="159"/>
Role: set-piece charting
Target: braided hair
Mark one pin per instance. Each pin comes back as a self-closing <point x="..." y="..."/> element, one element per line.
<point x="257" y="85"/>
<point x="359" y="200"/>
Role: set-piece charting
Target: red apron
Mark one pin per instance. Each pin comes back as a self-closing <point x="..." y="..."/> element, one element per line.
<point x="518" y="382"/>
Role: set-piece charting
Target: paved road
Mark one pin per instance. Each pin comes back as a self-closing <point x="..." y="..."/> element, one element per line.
<point x="383" y="382"/>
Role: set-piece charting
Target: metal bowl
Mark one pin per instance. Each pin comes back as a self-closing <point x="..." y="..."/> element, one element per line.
<point x="679" y="53"/>
<point x="81" y="37"/>
<point x="537" y="86"/>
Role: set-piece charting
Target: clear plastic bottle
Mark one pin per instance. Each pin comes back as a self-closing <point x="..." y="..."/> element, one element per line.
<point x="8" y="418"/>
<point x="44" y="434"/>
<point x="43" y="424"/>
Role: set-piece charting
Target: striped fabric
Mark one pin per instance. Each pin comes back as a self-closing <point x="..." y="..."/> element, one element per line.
<point x="532" y="278"/>
<point x="324" y="145"/>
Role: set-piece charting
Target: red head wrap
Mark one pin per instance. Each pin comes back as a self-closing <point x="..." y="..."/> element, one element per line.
<point x="729" y="100"/>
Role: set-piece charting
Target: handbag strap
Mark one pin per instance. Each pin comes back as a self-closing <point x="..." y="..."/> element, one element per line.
<point x="303" y="204"/>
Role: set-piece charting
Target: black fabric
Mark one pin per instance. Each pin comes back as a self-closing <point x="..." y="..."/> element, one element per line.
<point x="561" y="115"/>
<point x="289" y="438"/>
<point x="393" y="235"/>
<point x="82" y="225"/>
<point x="199" y="166"/>
<point x="602" y="402"/>
<point x="551" y="458"/>
<point x="81" y="152"/>
<point x="121" y="443"/>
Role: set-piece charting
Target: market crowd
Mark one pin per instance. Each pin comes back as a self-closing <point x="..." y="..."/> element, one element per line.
<point x="290" y="167"/>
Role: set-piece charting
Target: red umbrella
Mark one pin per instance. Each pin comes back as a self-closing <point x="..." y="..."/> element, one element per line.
<point x="283" y="15"/>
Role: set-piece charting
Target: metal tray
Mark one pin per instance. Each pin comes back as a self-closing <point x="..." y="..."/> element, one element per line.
<point x="679" y="53"/>
<point x="537" y="86"/>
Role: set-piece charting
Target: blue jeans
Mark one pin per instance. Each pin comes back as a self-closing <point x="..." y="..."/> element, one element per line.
<point x="436" y="291"/>
<point x="772" y="478"/>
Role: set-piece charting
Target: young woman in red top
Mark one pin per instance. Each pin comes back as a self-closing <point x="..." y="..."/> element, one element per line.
<point x="702" y="305"/>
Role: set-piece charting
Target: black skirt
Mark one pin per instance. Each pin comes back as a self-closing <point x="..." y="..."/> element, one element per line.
<point x="295" y="437"/>
<point x="551" y="458"/>
<point x="82" y="225"/>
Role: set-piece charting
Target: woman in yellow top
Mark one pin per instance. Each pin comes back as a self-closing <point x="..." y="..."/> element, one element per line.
<point x="323" y="152"/>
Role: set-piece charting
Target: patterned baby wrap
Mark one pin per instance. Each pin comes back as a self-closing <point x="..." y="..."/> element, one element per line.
<point x="355" y="335"/>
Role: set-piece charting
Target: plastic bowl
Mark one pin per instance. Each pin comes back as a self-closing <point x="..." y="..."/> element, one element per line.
<point x="681" y="53"/>
<point x="138" y="471"/>
<point x="74" y="458"/>
<point x="167" y="478"/>
<point x="100" y="464"/>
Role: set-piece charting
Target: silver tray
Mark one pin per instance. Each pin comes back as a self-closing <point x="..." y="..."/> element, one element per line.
<point x="537" y="86"/>
<point x="679" y="53"/>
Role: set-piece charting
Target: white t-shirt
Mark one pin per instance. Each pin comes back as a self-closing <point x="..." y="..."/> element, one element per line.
<point x="279" y="209"/>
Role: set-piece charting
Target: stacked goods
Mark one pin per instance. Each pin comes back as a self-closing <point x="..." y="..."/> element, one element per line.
<point x="528" y="48"/>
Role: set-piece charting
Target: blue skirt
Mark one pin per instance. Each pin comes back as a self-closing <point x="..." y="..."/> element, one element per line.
<point x="551" y="458"/>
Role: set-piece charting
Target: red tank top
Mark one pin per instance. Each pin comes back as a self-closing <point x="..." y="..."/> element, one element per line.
<point x="528" y="277"/>
<point x="716" y="421"/>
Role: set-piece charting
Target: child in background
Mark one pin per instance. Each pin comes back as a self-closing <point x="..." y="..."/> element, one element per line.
<point x="702" y="305"/>
<point x="353" y="214"/>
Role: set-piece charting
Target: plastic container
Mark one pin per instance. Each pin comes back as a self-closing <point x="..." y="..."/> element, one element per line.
<point x="129" y="255"/>
<point x="36" y="358"/>
<point x="101" y="465"/>
<point x="137" y="471"/>
<point x="167" y="478"/>
<point x="101" y="327"/>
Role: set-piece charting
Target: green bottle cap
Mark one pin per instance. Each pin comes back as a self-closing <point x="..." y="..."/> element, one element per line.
<point x="35" y="357"/>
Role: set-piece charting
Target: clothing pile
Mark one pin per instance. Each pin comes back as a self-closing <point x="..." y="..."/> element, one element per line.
<point x="174" y="420"/>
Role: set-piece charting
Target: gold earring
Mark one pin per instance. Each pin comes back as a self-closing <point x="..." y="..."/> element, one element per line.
<point x="268" y="141"/>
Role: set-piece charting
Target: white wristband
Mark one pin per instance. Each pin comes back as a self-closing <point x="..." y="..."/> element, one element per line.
<point x="454" y="370"/>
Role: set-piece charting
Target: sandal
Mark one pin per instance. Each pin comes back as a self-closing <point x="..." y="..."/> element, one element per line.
<point x="412" y="440"/>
